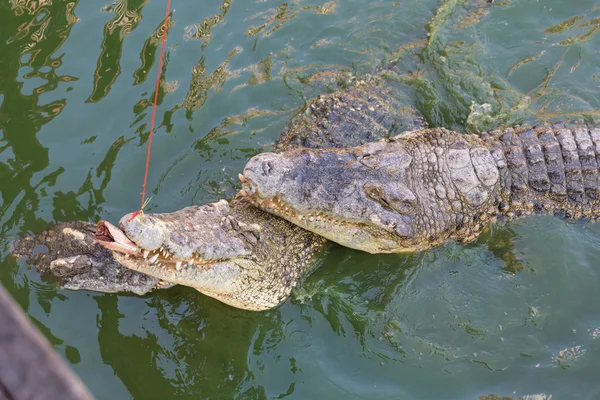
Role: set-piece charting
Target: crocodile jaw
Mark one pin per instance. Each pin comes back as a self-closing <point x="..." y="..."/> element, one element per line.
<point x="232" y="280"/>
<point x="351" y="234"/>
<point x="114" y="239"/>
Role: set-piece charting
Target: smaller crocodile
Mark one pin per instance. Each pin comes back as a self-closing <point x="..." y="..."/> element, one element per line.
<point x="423" y="187"/>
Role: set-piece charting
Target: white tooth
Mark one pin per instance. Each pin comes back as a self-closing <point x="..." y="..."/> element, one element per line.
<point x="146" y="253"/>
<point x="178" y="265"/>
<point x="242" y="178"/>
<point x="153" y="258"/>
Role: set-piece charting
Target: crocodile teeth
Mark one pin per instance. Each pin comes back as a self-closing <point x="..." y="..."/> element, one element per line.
<point x="178" y="265"/>
<point x="153" y="258"/>
<point x="242" y="178"/>
<point x="146" y="253"/>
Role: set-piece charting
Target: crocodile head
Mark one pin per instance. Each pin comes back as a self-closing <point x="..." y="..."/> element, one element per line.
<point x="222" y="251"/>
<point x="404" y="194"/>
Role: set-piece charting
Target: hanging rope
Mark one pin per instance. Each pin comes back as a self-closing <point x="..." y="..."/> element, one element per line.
<point x="160" y="62"/>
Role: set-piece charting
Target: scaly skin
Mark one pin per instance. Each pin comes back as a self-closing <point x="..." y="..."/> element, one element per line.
<point x="421" y="188"/>
<point x="368" y="109"/>
<point x="236" y="254"/>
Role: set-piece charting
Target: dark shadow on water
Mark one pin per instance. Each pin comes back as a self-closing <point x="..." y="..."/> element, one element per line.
<point x="179" y="354"/>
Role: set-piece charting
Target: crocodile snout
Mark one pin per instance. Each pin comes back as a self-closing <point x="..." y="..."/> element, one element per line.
<point x="264" y="174"/>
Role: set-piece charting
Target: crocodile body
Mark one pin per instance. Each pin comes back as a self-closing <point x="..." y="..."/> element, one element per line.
<point x="233" y="252"/>
<point x="406" y="193"/>
<point x="423" y="187"/>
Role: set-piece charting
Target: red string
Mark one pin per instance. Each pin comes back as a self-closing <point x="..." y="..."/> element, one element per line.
<point x="160" y="61"/>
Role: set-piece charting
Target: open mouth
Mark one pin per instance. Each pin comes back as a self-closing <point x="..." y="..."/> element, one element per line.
<point x="113" y="238"/>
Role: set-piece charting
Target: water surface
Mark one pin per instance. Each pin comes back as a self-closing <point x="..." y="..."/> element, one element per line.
<point x="513" y="313"/>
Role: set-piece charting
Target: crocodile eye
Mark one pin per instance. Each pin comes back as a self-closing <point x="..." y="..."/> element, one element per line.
<point x="267" y="167"/>
<point x="392" y="196"/>
<point x="373" y="192"/>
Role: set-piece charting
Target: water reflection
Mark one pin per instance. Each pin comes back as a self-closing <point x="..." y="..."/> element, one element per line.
<point x="148" y="54"/>
<point x="202" y="85"/>
<point x="179" y="344"/>
<point x="127" y="17"/>
<point x="277" y="16"/>
<point x="31" y="48"/>
<point x="203" y="30"/>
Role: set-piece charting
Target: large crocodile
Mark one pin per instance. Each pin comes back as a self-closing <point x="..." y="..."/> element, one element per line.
<point x="423" y="187"/>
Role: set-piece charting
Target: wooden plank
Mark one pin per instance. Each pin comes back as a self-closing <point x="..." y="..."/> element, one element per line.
<point x="29" y="367"/>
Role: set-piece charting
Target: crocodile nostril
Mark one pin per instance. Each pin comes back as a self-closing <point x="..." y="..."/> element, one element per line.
<point x="267" y="168"/>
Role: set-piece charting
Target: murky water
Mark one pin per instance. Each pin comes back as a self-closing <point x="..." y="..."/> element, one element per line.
<point x="514" y="313"/>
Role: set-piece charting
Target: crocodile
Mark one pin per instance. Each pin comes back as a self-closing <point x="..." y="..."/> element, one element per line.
<point x="423" y="187"/>
<point x="243" y="256"/>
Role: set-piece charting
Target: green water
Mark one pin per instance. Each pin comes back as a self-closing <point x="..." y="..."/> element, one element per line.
<point x="455" y="322"/>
